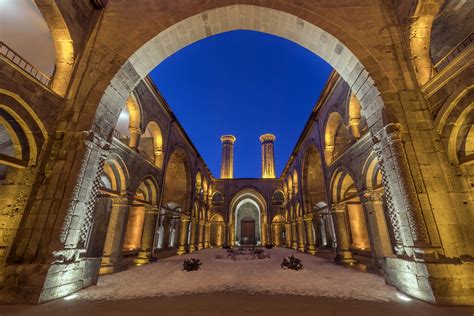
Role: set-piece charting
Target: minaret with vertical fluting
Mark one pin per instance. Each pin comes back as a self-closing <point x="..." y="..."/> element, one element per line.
<point x="227" y="165"/>
<point x="268" y="161"/>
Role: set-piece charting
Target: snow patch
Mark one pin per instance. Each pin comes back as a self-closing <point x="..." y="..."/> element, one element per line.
<point x="319" y="278"/>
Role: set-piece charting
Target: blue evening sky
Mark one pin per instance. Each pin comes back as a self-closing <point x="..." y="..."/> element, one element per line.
<point x="243" y="83"/>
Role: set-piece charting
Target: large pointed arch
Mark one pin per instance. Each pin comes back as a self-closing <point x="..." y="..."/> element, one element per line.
<point x="314" y="187"/>
<point x="177" y="183"/>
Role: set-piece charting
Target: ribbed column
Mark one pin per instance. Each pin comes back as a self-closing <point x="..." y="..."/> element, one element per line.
<point x="268" y="161"/>
<point x="227" y="164"/>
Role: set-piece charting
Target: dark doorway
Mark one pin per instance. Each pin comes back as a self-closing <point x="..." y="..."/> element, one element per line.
<point x="247" y="231"/>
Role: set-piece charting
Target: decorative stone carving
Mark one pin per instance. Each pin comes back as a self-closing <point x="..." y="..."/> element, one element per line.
<point x="396" y="175"/>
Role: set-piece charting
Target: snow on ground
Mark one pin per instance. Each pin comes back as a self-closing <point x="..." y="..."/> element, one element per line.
<point x="319" y="278"/>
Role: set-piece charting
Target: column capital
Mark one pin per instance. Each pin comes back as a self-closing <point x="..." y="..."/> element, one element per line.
<point x="185" y="218"/>
<point x="371" y="195"/>
<point x="308" y="217"/>
<point x="339" y="207"/>
<point x="122" y="200"/>
<point x="134" y="130"/>
<point x="151" y="209"/>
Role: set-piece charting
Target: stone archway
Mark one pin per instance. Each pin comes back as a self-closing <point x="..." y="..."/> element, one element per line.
<point x="247" y="204"/>
<point x="348" y="49"/>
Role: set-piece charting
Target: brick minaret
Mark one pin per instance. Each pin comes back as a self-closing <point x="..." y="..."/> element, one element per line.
<point x="268" y="161"/>
<point x="227" y="165"/>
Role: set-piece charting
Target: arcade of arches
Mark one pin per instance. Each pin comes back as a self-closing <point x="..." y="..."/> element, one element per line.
<point x="96" y="174"/>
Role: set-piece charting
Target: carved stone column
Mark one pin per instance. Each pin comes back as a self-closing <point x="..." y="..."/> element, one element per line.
<point x="300" y="229"/>
<point x="220" y="234"/>
<point x="158" y="159"/>
<point x="308" y="218"/>
<point x="207" y="235"/>
<point x="135" y="134"/>
<point x="192" y="240"/>
<point x="294" y="235"/>
<point x="276" y="234"/>
<point x="377" y="225"/>
<point x="133" y="235"/>
<point x="183" y="234"/>
<point x="263" y="238"/>
<point x="112" y="259"/>
<point x="343" y="253"/>
<point x="148" y="234"/>
<point x="402" y="199"/>
<point x="200" y="235"/>
<point x="288" y="235"/>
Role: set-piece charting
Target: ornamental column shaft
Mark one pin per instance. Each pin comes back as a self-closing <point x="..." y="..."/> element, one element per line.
<point x="294" y="235"/>
<point x="207" y="235"/>
<point x="183" y="234"/>
<point x="378" y="226"/>
<point x="192" y="241"/>
<point x="343" y="252"/>
<point x="288" y="235"/>
<point x="148" y="234"/>
<point x="112" y="259"/>
<point x="309" y="234"/>
<point x="300" y="228"/>
<point x="402" y="198"/>
<point x="200" y="235"/>
<point x="268" y="161"/>
<point x="227" y="164"/>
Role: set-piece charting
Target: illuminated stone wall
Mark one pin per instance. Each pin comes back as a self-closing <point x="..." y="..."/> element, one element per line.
<point x="417" y="196"/>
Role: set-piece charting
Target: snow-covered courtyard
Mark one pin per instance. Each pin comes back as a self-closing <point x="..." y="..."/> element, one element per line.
<point x="165" y="277"/>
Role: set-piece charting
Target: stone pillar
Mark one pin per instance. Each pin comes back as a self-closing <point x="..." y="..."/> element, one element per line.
<point x="200" y="235"/>
<point x="263" y="238"/>
<point x="112" y="259"/>
<point x="133" y="235"/>
<point x="276" y="234"/>
<point x="158" y="157"/>
<point x="220" y="235"/>
<point x="343" y="253"/>
<point x="294" y="235"/>
<point x="300" y="229"/>
<point x="207" y="234"/>
<point x="378" y="226"/>
<point x="308" y="218"/>
<point x="192" y="240"/>
<point x="402" y="198"/>
<point x="288" y="235"/>
<point x="148" y="235"/>
<point x="135" y="134"/>
<point x="183" y="234"/>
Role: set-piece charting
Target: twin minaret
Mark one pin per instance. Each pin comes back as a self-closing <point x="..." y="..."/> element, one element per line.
<point x="268" y="161"/>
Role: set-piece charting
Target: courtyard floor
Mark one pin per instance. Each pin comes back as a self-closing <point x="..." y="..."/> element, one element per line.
<point x="244" y="287"/>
